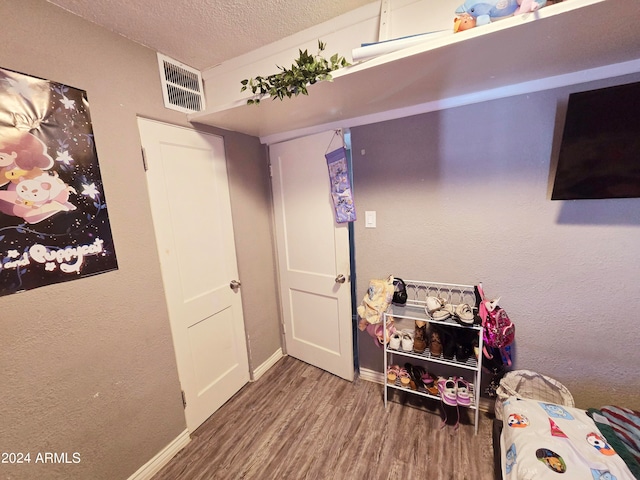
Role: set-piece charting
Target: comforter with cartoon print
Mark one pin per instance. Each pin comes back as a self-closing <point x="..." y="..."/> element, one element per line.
<point x="543" y="440"/>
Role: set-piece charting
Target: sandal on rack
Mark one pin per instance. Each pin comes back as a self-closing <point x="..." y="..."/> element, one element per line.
<point x="405" y="378"/>
<point x="437" y="309"/>
<point x="464" y="314"/>
<point x="416" y="382"/>
<point x="417" y="372"/>
<point x="433" y="304"/>
<point x="441" y="315"/>
<point x="392" y="373"/>
<point x="429" y="384"/>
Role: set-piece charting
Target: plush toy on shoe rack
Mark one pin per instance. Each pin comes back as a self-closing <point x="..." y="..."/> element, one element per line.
<point x="375" y="302"/>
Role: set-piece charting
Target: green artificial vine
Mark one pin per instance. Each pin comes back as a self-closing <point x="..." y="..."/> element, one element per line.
<point x="307" y="70"/>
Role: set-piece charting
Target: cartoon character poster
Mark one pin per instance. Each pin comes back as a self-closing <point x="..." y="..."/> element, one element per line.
<point x="54" y="225"/>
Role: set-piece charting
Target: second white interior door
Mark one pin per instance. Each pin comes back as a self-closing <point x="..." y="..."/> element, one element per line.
<point x="313" y="254"/>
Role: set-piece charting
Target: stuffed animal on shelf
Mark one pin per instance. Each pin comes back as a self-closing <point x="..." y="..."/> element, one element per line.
<point x="487" y="11"/>
<point x="527" y="6"/>
<point x="463" y="22"/>
<point x="482" y="12"/>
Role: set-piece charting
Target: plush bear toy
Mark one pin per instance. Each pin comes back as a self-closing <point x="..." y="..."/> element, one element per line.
<point x="463" y="22"/>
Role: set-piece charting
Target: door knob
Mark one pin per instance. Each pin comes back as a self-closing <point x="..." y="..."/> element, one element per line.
<point x="234" y="284"/>
<point x="340" y="279"/>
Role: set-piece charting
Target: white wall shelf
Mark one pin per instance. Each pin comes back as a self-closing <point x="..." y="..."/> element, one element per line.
<point x="562" y="44"/>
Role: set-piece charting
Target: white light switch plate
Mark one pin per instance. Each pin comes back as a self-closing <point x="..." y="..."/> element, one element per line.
<point x="370" y="219"/>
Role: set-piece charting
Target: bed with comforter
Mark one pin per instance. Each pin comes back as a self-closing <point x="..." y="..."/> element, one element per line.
<point x="541" y="440"/>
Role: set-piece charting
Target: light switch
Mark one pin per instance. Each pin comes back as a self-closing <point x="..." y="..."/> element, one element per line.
<point x="370" y="219"/>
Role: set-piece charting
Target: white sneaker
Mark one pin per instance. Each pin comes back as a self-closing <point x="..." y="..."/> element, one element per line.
<point x="407" y="341"/>
<point x="394" y="341"/>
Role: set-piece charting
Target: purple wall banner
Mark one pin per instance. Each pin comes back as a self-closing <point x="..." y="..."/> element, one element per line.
<point x="341" y="185"/>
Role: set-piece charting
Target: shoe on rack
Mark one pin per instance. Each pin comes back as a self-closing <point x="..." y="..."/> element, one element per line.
<point x="434" y="304"/>
<point x="463" y="392"/>
<point x="447" y="389"/>
<point x="405" y="378"/>
<point x="464" y="314"/>
<point x="407" y="341"/>
<point x="414" y="373"/>
<point x="476" y="348"/>
<point x="435" y="343"/>
<point x="420" y="337"/>
<point x="440" y="315"/>
<point x="463" y="351"/>
<point x="430" y="384"/>
<point x="392" y="373"/>
<point x="448" y="338"/>
<point x="438" y="309"/>
<point x="394" y="341"/>
<point x="464" y="343"/>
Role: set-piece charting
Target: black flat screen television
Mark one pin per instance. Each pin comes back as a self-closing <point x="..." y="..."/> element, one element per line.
<point x="600" y="149"/>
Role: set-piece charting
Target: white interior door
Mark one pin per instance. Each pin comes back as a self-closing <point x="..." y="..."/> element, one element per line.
<point x="189" y="193"/>
<point x="313" y="251"/>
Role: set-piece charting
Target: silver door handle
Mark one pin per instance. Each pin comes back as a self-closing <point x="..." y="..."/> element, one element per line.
<point x="234" y="284"/>
<point x="340" y="279"/>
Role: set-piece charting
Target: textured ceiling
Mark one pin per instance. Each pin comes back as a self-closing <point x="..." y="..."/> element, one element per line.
<point x="203" y="33"/>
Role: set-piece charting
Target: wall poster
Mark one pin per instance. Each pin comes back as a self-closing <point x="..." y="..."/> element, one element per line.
<point x="54" y="225"/>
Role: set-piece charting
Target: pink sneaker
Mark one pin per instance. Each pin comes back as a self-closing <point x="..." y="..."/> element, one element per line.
<point x="463" y="392"/>
<point x="447" y="389"/>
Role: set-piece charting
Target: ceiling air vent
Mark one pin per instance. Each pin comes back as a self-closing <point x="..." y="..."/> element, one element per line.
<point x="181" y="86"/>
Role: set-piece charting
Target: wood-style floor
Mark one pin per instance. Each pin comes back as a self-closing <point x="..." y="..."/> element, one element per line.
<point x="300" y="422"/>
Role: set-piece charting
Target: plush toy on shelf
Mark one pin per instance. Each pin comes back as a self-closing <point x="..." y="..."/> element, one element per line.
<point x="526" y="6"/>
<point x="474" y="13"/>
<point x="463" y="22"/>
<point x="486" y="11"/>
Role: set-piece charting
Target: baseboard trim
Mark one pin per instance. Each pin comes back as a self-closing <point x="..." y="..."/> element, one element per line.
<point x="271" y="361"/>
<point x="153" y="466"/>
<point x="371" y="375"/>
<point x="484" y="405"/>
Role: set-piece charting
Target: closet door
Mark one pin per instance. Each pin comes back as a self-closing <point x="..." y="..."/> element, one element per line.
<point x="192" y="220"/>
<point x="313" y="257"/>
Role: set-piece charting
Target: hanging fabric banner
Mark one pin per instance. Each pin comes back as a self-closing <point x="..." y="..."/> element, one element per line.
<point x="54" y="225"/>
<point x="341" y="185"/>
